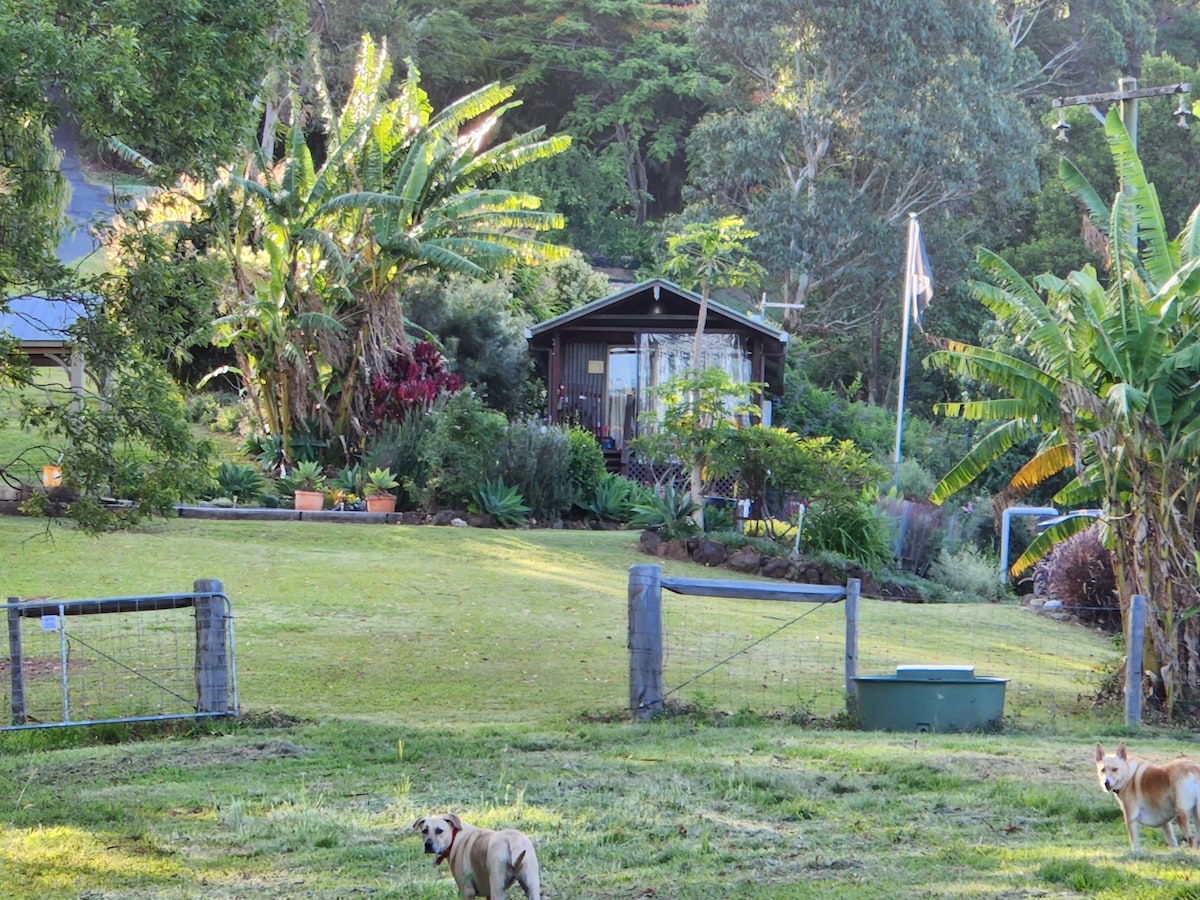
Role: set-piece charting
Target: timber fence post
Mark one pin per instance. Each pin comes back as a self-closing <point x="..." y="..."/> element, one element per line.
<point x="212" y="654"/>
<point x="853" y="588"/>
<point x="645" y="641"/>
<point x="16" y="663"/>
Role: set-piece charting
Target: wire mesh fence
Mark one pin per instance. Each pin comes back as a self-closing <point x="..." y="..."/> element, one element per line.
<point x="77" y="662"/>
<point x="773" y="658"/>
<point x="765" y="656"/>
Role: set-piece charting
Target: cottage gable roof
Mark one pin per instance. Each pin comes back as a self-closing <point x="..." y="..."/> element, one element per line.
<point x="673" y="308"/>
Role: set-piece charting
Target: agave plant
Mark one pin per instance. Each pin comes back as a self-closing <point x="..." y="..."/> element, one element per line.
<point x="504" y="504"/>
<point x="668" y="511"/>
<point x="381" y="481"/>
<point x="240" y="482"/>
<point x="613" y="501"/>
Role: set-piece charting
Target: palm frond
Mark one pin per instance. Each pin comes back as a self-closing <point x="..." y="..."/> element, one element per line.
<point x="990" y="448"/>
<point x="1047" y="540"/>
<point x="456" y="114"/>
<point x="1157" y="254"/>
<point x="984" y="410"/>
<point x="1074" y="182"/>
<point x="1017" y="376"/>
<point x="1046" y="464"/>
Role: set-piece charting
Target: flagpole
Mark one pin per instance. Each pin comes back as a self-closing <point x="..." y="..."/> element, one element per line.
<point x="908" y="297"/>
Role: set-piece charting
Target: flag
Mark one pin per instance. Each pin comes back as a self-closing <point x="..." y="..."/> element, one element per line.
<point x="919" y="288"/>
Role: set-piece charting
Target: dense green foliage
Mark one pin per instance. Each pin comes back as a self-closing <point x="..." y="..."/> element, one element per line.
<point x="306" y="246"/>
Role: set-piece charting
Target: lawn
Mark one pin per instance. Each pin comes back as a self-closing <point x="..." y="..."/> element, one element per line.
<point x="389" y="672"/>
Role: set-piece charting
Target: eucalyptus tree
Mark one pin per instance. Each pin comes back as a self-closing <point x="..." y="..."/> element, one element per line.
<point x="1105" y="376"/>
<point x="624" y="76"/>
<point x="842" y="120"/>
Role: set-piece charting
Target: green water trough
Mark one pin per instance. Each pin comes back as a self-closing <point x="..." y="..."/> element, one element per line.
<point x="930" y="698"/>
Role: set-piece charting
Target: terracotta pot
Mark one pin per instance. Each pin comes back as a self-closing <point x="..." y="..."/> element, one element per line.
<point x="384" y="503"/>
<point x="309" y="501"/>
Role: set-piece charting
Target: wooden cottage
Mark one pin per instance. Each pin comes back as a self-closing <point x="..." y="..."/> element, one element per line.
<point x="602" y="362"/>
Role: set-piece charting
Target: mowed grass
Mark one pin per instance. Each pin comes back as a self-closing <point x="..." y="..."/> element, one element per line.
<point x="389" y="672"/>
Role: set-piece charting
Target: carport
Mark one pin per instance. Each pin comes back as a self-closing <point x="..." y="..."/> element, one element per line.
<point x="41" y="326"/>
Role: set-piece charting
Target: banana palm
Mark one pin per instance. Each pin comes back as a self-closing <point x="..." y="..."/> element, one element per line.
<point x="1106" y="376"/>
<point x="287" y="267"/>
<point x="319" y="255"/>
<point x="423" y="194"/>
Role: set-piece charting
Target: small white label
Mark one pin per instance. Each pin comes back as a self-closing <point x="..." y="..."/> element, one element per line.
<point x="49" y="623"/>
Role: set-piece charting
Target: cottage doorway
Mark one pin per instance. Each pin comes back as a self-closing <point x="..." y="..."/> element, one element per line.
<point x="620" y="407"/>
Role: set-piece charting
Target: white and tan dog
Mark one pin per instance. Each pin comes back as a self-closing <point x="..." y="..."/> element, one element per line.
<point x="1153" y="795"/>
<point x="484" y="863"/>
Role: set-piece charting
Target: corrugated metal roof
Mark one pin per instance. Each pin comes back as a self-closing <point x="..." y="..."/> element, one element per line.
<point x="39" y="320"/>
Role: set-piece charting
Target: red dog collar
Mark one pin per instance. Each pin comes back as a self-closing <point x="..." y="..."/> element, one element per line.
<point x="445" y="854"/>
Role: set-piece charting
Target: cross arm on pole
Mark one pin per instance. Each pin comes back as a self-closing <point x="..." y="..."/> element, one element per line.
<point x="1182" y="87"/>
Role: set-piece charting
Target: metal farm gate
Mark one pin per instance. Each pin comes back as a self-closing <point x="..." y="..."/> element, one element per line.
<point x="118" y="659"/>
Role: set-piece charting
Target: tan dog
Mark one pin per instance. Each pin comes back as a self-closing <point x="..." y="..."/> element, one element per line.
<point x="1150" y="794"/>
<point x="484" y="863"/>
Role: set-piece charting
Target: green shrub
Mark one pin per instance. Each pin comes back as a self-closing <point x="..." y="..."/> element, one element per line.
<point x="915" y="480"/>
<point x="503" y="503"/>
<point x="398" y="446"/>
<point x="917" y="532"/>
<point x="228" y="420"/>
<point x="853" y="530"/>
<point x="586" y="463"/>
<point x="970" y="574"/>
<point x="537" y="461"/>
<point x="200" y="408"/>
<point x="718" y="517"/>
<point x="668" y="511"/>
<point x="459" y="450"/>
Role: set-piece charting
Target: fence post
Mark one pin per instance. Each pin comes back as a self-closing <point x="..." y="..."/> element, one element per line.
<point x="17" y="662"/>
<point x="212" y="655"/>
<point x="853" y="588"/>
<point x="645" y="641"/>
<point x="1135" y="645"/>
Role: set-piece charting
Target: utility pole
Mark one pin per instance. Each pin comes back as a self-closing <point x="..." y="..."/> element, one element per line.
<point x="1127" y="94"/>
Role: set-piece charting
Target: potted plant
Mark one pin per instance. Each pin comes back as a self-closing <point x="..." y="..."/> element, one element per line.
<point x="306" y="480"/>
<point x="379" y="486"/>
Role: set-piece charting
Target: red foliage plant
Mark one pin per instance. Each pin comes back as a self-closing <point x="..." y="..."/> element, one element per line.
<point x="418" y="376"/>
